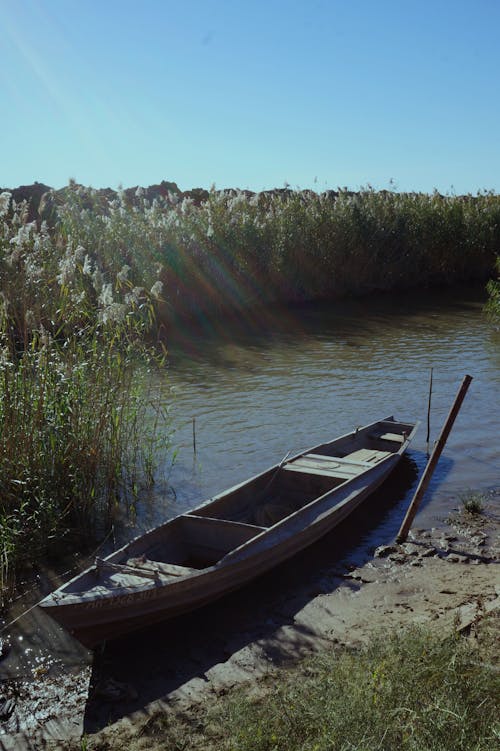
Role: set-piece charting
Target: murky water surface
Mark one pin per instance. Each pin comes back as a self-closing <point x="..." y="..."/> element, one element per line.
<point x="314" y="373"/>
<point x="284" y="380"/>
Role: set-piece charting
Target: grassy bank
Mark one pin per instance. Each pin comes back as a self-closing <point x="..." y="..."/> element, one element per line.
<point x="493" y="304"/>
<point x="412" y="690"/>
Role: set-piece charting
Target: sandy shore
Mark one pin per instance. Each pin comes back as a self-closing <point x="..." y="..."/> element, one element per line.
<point x="445" y="577"/>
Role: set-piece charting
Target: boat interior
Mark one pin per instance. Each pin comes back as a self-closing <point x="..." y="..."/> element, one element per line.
<point x="203" y="536"/>
<point x="297" y="482"/>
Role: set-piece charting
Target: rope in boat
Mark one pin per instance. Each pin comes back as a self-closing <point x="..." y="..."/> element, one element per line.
<point x="273" y="477"/>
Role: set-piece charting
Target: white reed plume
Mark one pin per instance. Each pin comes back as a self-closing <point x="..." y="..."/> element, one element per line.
<point x="5" y="197"/>
<point x="157" y="289"/>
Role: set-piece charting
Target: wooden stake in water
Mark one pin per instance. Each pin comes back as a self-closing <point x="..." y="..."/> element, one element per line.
<point x="194" y="435"/>
<point x="431" y="464"/>
<point x="429" y="413"/>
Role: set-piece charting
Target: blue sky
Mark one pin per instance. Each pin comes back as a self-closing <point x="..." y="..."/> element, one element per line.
<point x="251" y="94"/>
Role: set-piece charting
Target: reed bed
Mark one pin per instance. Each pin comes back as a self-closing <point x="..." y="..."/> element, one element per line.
<point x="79" y="427"/>
<point x="229" y="250"/>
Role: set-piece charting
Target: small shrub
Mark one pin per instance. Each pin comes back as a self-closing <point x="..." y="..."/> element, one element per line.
<point x="473" y="502"/>
<point x="493" y="305"/>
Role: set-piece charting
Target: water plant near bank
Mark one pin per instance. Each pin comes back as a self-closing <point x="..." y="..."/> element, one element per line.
<point x="230" y="250"/>
<point x="473" y="502"/>
<point x="493" y="304"/>
<point x="74" y="427"/>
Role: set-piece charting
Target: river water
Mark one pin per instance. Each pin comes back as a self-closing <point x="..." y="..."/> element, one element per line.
<point x="283" y="380"/>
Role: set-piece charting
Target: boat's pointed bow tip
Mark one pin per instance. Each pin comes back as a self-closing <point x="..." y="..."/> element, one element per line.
<point x="49" y="601"/>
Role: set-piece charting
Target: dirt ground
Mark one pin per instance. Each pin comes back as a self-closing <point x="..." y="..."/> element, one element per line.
<point x="446" y="577"/>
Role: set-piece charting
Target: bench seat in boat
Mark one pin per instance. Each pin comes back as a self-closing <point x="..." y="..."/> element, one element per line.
<point x="343" y="468"/>
<point x="143" y="567"/>
<point x="394" y="437"/>
<point x="371" y="456"/>
<point x="329" y="466"/>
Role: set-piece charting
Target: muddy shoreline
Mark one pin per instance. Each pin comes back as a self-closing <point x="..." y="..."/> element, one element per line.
<point x="443" y="576"/>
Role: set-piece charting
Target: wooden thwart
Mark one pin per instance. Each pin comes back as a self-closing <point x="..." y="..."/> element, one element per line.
<point x="340" y="459"/>
<point x="307" y="469"/>
<point x="396" y="437"/>
<point x="330" y="465"/>
<point x="343" y="468"/>
<point x="368" y="455"/>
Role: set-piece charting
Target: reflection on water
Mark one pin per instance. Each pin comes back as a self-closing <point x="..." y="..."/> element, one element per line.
<point x="287" y="379"/>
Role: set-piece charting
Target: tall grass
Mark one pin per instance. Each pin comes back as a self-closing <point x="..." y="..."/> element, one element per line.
<point x="73" y="412"/>
<point x="235" y="250"/>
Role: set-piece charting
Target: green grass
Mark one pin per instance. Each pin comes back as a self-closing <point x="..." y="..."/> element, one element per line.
<point x="412" y="690"/>
<point x="493" y="304"/>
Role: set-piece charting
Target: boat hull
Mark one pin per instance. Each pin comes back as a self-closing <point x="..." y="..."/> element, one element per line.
<point x="94" y="621"/>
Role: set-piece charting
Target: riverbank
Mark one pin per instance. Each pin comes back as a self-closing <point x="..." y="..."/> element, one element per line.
<point x="441" y="579"/>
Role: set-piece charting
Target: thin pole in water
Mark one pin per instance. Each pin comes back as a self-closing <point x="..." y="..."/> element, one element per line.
<point x="431" y="464"/>
<point x="194" y="435"/>
<point x="429" y="413"/>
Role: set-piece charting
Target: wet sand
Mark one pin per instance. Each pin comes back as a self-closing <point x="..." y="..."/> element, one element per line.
<point x="445" y="577"/>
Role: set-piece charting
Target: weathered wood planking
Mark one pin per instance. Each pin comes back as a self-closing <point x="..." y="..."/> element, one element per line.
<point x="228" y="540"/>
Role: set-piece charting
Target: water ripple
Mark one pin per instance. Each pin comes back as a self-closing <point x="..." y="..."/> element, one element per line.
<point x="257" y="396"/>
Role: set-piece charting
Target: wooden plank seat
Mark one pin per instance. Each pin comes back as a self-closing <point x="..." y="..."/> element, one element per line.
<point x="329" y="466"/>
<point x="339" y="459"/>
<point x="385" y="432"/>
<point x="308" y="470"/>
<point x="371" y="456"/>
<point x="394" y="437"/>
<point x="169" y="569"/>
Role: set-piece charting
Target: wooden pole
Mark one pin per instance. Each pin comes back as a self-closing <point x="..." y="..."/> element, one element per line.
<point x="429" y="414"/>
<point x="431" y="464"/>
<point x="194" y="435"/>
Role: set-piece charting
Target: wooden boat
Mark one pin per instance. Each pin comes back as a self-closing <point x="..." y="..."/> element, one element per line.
<point x="231" y="539"/>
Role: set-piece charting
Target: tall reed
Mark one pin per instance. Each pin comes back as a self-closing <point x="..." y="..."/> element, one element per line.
<point x="235" y="249"/>
<point x="74" y="438"/>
